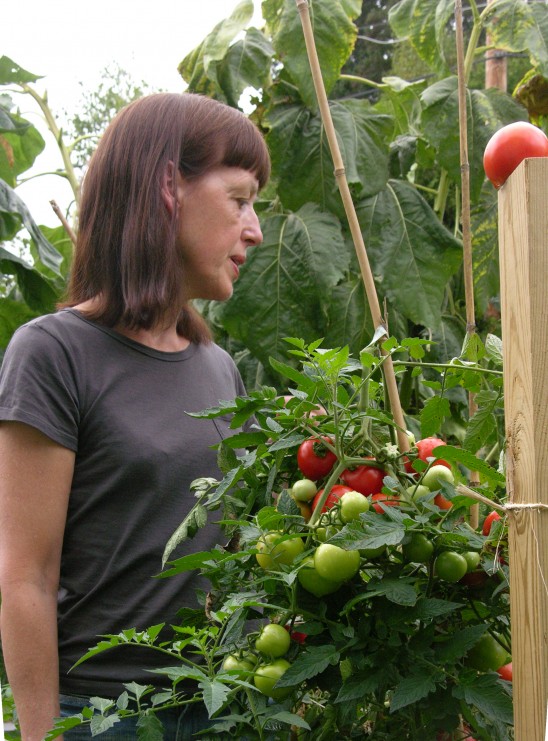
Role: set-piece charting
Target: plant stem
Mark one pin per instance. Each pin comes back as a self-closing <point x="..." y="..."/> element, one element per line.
<point x="57" y="133"/>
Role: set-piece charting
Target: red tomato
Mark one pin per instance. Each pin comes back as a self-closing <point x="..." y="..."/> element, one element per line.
<point x="365" y="479"/>
<point x="390" y="500"/>
<point x="441" y="502"/>
<point x="506" y="672"/>
<point x="332" y="498"/>
<point x="296" y="635"/>
<point x="488" y="522"/>
<point x="511" y="145"/>
<point x="426" y="448"/>
<point x="315" y="460"/>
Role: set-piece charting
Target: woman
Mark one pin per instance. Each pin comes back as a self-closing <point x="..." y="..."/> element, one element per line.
<point x="97" y="450"/>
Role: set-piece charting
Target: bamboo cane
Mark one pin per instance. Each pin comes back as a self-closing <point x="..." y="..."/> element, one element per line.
<point x="465" y="221"/>
<point x="350" y="211"/>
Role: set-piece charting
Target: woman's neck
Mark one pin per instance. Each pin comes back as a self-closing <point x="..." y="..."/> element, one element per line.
<point x="163" y="338"/>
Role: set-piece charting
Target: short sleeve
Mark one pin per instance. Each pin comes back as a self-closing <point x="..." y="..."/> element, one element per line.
<point x="38" y="385"/>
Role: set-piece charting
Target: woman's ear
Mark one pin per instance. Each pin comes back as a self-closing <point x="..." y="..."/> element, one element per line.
<point x="171" y="188"/>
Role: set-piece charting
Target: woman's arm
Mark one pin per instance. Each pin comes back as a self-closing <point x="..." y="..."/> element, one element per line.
<point x="35" y="481"/>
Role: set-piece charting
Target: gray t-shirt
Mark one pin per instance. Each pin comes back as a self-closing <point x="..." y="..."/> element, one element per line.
<point x="122" y="407"/>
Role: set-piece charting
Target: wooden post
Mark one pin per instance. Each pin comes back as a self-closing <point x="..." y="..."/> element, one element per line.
<point x="523" y="239"/>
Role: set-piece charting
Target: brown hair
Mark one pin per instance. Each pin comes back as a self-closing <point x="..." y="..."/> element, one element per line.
<point x="126" y="256"/>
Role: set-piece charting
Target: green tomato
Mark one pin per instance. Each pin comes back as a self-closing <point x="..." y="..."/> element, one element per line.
<point x="450" y="566"/>
<point x="304" y="490"/>
<point x="472" y="559"/>
<point x="433" y="478"/>
<point x="419" y="549"/>
<point x="275" y="550"/>
<point x="310" y="580"/>
<point x="352" y="505"/>
<point x="273" y="640"/>
<point x="417" y="491"/>
<point x="487" y="654"/>
<point x="335" y="563"/>
<point x="266" y="677"/>
<point x="233" y="662"/>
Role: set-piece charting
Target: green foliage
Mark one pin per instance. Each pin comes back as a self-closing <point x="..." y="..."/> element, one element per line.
<point x="388" y="650"/>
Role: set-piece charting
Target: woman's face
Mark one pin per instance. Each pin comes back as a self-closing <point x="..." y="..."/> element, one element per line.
<point x="217" y="223"/>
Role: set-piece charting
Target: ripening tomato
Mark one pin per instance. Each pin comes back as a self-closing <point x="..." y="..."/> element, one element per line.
<point x="509" y="146"/>
<point x="304" y="490"/>
<point x="437" y="474"/>
<point x="352" y="505"/>
<point x="317" y="585"/>
<point x="418" y="549"/>
<point x="275" y="549"/>
<point x="489" y="520"/>
<point x="427" y="446"/>
<point x="505" y="672"/>
<point x="365" y="479"/>
<point x="389" y="500"/>
<point x="315" y="460"/>
<point x="441" y="502"/>
<point x="332" y="498"/>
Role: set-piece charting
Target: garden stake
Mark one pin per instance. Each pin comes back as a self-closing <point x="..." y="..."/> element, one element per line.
<point x="340" y="176"/>
<point x="465" y="223"/>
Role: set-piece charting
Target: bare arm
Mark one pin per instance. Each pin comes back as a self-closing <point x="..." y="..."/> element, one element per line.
<point x="35" y="481"/>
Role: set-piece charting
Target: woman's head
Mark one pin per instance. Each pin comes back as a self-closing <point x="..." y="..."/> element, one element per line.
<point x="127" y="256"/>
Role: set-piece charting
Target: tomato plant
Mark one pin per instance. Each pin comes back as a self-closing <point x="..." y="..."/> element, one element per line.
<point x="365" y="479"/>
<point x="314" y="459"/>
<point x="509" y="146"/>
<point x="378" y="584"/>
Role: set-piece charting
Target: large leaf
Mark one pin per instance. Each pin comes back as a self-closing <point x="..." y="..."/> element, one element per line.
<point x="302" y="161"/>
<point x="39" y="293"/>
<point x="199" y="67"/>
<point x="487" y="111"/>
<point x="515" y="25"/>
<point x="10" y="204"/>
<point x="334" y="37"/>
<point x="412" y="254"/>
<point x="12" y="315"/>
<point x="20" y="143"/>
<point x="287" y="281"/>
<point x="349" y="319"/>
<point x="246" y="64"/>
<point x="423" y="23"/>
<point x="10" y="73"/>
<point x="485" y="248"/>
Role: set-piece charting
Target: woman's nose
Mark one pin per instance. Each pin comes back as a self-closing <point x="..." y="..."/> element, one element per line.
<point x="252" y="234"/>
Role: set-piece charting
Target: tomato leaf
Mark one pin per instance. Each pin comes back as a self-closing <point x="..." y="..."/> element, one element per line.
<point x="360" y="685"/>
<point x="470" y="461"/>
<point x="486" y="693"/>
<point x="435" y="411"/>
<point x="412" y="689"/>
<point x="149" y="728"/>
<point x="400" y="591"/>
<point x="458" y="644"/>
<point x="311" y="662"/>
<point x="214" y="694"/>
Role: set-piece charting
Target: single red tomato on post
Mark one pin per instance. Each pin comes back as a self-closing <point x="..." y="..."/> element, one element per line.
<point x="509" y="146"/>
<point x="492" y="517"/>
